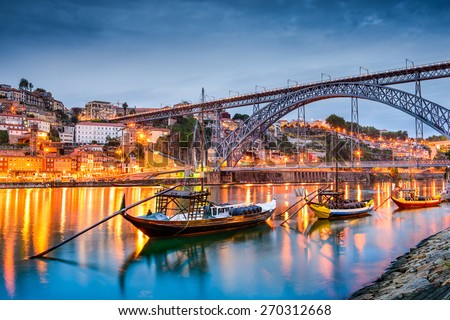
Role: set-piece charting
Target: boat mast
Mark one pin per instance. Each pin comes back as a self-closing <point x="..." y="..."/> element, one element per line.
<point x="336" y="184"/>
<point x="202" y="140"/>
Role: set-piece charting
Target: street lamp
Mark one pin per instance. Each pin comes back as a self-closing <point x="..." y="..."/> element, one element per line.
<point x="412" y="63"/>
<point x="256" y="88"/>
<point x="289" y="80"/>
<point x="324" y="74"/>
<point x="362" y="68"/>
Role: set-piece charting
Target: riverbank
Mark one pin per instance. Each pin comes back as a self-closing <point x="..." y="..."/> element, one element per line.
<point x="421" y="274"/>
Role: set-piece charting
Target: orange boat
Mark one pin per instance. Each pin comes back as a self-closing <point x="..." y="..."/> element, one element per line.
<point x="409" y="199"/>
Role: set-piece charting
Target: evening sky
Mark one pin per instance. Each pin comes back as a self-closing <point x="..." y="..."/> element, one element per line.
<point x="157" y="53"/>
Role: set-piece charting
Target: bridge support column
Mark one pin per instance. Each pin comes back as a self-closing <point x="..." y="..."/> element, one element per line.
<point x="419" y="123"/>
<point x="354" y="127"/>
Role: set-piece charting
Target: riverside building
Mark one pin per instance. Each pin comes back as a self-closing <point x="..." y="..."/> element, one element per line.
<point x="87" y="132"/>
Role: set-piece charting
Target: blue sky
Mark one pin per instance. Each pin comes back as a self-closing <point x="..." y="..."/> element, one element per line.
<point x="157" y="53"/>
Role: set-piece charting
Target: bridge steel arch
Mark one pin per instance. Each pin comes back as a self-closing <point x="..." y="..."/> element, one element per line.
<point x="430" y="113"/>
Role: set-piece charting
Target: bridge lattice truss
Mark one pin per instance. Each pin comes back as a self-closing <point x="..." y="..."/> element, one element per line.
<point x="235" y="144"/>
<point x="391" y="77"/>
<point x="279" y="102"/>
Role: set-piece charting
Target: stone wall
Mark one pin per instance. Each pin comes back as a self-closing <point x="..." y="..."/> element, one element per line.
<point x="423" y="273"/>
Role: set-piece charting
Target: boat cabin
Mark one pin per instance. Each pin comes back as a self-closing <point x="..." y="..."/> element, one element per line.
<point x="327" y="196"/>
<point x="181" y="205"/>
<point x="186" y="203"/>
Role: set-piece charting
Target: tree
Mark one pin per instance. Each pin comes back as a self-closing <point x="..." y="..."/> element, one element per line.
<point x="54" y="135"/>
<point x="239" y="116"/>
<point x="335" y="121"/>
<point x="437" y="138"/>
<point x="4" y="137"/>
<point x="125" y="107"/>
<point x="24" y="84"/>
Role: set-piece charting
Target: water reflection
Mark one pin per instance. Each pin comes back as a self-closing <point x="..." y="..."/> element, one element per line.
<point x="304" y="258"/>
<point x="184" y="257"/>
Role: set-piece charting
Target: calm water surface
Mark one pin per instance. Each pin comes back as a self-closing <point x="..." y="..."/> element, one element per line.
<point x="305" y="259"/>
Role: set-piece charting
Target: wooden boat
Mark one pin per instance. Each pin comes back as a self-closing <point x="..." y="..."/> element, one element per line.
<point x="185" y="212"/>
<point x="410" y="199"/>
<point x="332" y="205"/>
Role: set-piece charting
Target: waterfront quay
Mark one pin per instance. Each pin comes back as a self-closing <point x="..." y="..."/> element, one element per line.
<point x="242" y="176"/>
<point x="422" y="273"/>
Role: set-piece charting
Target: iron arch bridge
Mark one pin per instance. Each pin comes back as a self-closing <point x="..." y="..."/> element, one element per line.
<point x="385" y="78"/>
<point x="235" y="144"/>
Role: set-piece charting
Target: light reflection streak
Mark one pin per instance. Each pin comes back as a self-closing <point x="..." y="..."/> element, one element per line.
<point x="34" y="219"/>
<point x="325" y="261"/>
<point x="248" y="196"/>
<point x="63" y="211"/>
<point x="360" y="242"/>
<point x="286" y="255"/>
<point x="26" y="219"/>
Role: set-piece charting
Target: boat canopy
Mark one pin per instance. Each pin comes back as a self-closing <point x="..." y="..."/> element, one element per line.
<point x="183" y="202"/>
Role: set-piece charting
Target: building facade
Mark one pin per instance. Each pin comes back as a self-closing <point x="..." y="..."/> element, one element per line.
<point x="98" y="110"/>
<point x="87" y="132"/>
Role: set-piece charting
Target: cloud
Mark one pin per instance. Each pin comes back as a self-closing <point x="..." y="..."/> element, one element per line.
<point x="371" y="20"/>
<point x="153" y="52"/>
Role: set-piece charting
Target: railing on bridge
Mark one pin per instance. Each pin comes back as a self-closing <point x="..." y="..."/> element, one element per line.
<point x="345" y="165"/>
<point x="388" y="77"/>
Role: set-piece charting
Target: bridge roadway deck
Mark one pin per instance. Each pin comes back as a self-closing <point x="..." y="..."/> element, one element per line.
<point x="389" y="77"/>
<point x="344" y="165"/>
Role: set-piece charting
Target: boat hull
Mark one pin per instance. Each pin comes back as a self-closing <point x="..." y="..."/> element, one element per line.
<point x="168" y="228"/>
<point x="413" y="204"/>
<point x="323" y="212"/>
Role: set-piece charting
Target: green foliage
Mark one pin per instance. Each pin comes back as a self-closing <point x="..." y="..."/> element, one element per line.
<point x="335" y="121"/>
<point x="139" y="151"/>
<point x="437" y="138"/>
<point x="185" y="127"/>
<point x="4" y="137"/>
<point x="112" y="142"/>
<point x="338" y="122"/>
<point x="399" y="135"/>
<point x="23" y="84"/>
<point x="125" y="107"/>
<point x="54" y="135"/>
<point x="239" y="116"/>
<point x="370" y="131"/>
<point x="61" y="116"/>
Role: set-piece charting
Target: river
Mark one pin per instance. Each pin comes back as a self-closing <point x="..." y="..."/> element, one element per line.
<point x="303" y="259"/>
